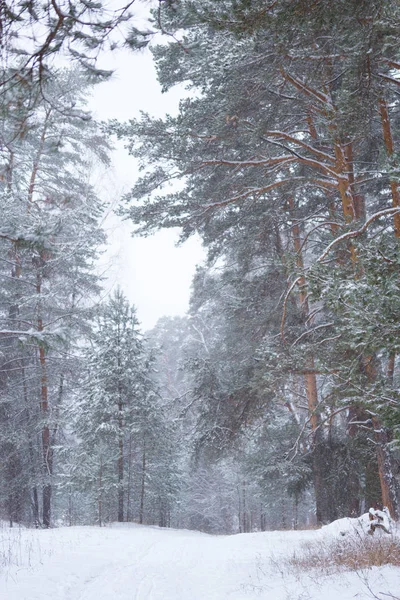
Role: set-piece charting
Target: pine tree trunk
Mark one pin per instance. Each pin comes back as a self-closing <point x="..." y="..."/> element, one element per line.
<point x="70" y="507"/>
<point x="120" y="469"/>
<point x="47" y="451"/>
<point x="14" y="312"/>
<point x="239" y="509"/>
<point x="356" y="413"/>
<point x="343" y="171"/>
<point x="385" y="470"/>
<point x="100" y="496"/>
<point x="35" y="507"/>
<point x="245" y="526"/>
<point x="388" y="139"/>
<point x="129" y="482"/>
<point x="120" y="465"/>
<point x="311" y="388"/>
<point x="143" y="484"/>
<point x="263" y="520"/>
<point x="296" y="512"/>
<point x="358" y="199"/>
<point x="34" y="497"/>
<point x="46" y="445"/>
<point x="391" y="367"/>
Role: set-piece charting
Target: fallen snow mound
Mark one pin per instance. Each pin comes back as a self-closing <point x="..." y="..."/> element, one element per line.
<point x="359" y="526"/>
<point x="346" y="526"/>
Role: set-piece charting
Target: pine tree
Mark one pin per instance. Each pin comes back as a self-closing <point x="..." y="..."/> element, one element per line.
<point x="123" y="460"/>
<point x="49" y="240"/>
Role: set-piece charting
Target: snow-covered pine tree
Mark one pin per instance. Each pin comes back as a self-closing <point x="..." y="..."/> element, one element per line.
<point x="123" y="461"/>
<point x="49" y="238"/>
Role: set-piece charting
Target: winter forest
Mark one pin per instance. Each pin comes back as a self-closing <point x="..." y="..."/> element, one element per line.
<point x="274" y="403"/>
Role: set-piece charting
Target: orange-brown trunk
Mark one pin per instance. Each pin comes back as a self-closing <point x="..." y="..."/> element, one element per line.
<point x="310" y="379"/>
<point x="386" y="477"/>
<point x="388" y="139"/>
<point x="358" y="199"/>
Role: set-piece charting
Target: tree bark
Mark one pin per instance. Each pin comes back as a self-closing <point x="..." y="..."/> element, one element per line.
<point x="47" y="451"/>
<point x="129" y="482"/>
<point x="391" y="367"/>
<point x="120" y="468"/>
<point x="385" y="470"/>
<point x="34" y="498"/>
<point x="143" y="484"/>
<point x="100" y="496"/>
<point x="46" y="445"/>
<point x="311" y="387"/>
<point x="120" y="462"/>
<point x="358" y="199"/>
<point x="388" y="139"/>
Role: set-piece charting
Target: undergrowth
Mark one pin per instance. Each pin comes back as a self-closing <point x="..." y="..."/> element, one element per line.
<point x="350" y="553"/>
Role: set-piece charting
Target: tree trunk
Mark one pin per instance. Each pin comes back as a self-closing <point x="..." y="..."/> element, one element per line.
<point x="120" y="467"/>
<point x="35" y="507"/>
<point x="100" y="496"/>
<point x="311" y="388"/>
<point x="129" y="482"/>
<point x="46" y="445"/>
<point x="345" y="190"/>
<point x="34" y="497"/>
<point x="143" y="484"/>
<point x="239" y="509"/>
<point x="70" y="507"/>
<point x="385" y="470"/>
<point x="356" y="413"/>
<point x="47" y="451"/>
<point x="245" y="527"/>
<point x="358" y="199"/>
<point x="388" y="139"/>
<point x="391" y="367"/>
<point x="47" y="493"/>
<point x="120" y="462"/>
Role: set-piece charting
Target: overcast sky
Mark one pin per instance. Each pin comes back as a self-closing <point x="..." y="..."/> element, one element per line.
<point x="153" y="272"/>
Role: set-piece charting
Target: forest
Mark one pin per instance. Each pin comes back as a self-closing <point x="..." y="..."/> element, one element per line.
<point x="274" y="403"/>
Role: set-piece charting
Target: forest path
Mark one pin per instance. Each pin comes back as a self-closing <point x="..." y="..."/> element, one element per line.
<point x="132" y="562"/>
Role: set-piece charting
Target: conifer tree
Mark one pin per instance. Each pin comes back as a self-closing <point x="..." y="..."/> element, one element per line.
<point x="49" y="238"/>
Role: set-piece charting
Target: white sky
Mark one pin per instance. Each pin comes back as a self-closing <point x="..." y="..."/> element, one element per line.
<point x="153" y="273"/>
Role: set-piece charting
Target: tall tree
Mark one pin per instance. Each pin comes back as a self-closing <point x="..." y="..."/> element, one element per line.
<point x="49" y="240"/>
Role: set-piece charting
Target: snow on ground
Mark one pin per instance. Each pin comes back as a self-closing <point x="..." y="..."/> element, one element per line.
<point x="133" y="562"/>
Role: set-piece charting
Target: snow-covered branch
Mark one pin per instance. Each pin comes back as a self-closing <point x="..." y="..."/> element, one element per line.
<point x="310" y="331"/>
<point x="358" y="232"/>
<point x="294" y="140"/>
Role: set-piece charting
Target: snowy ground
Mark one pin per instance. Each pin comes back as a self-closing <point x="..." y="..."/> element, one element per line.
<point x="132" y="562"/>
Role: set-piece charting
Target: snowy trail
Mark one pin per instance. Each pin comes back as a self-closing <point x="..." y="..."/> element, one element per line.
<point x="147" y="563"/>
